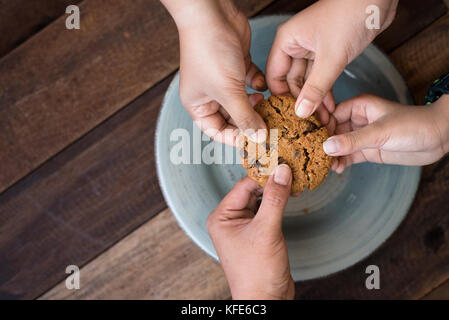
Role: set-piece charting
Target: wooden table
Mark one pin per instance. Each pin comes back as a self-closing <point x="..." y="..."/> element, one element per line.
<point x="77" y="175"/>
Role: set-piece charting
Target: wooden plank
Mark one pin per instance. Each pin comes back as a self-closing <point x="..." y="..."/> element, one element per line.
<point x="157" y="261"/>
<point x="440" y="293"/>
<point x="20" y="19"/>
<point x="81" y="201"/>
<point x="424" y="58"/>
<point x="412" y="16"/>
<point x="62" y="83"/>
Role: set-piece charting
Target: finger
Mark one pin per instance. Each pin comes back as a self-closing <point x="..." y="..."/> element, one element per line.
<point x="236" y="203"/>
<point x="362" y="109"/>
<point x="323" y="114"/>
<point x="343" y="127"/>
<point x="331" y="126"/>
<point x="238" y="105"/>
<point x="346" y="161"/>
<point x="254" y="99"/>
<point x="255" y="78"/>
<point x="329" y="102"/>
<point x="275" y="197"/>
<point x="208" y="118"/>
<point x="369" y="137"/>
<point x="278" y="65"/>
<point x="254" y="201"/>
<point x="325" y="71"/>
<point x="335" y="164"/>
<point x="295" y="76"/>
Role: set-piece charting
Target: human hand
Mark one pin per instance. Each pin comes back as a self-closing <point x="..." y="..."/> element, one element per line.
<point x="215" y="66"/>
<point x="252" y="248"/>
<point x="373" y="129"/>
<point x="312" y="49"/>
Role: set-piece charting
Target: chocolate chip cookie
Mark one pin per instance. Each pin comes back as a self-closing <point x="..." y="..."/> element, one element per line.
<point x="296" y="142"/>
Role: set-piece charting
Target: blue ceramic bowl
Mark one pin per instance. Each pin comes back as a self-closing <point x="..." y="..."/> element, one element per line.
<point x="348" y="216"/>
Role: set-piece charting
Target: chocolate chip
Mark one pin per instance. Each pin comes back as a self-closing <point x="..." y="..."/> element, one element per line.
<point x="296" y="155"/>
<point x="244" y="153"/>
<point x="310" y="127"/>
<point x="280" y="160"/>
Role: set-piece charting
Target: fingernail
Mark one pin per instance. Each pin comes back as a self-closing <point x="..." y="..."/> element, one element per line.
<point x="305" y="108"/>
<point x="331" y="146"/>
<point x="282" y="174"/>
<point x="259" y="137"/>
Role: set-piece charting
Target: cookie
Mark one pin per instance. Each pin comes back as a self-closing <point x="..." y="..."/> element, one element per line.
<point x="296" y="142"/>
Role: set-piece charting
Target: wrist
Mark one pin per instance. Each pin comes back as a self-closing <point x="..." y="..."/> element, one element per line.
<point x="441" y="114"/>
<point x="286" y="291"/>
<point x="195" y="13"/>
<point x="387" y="12"/>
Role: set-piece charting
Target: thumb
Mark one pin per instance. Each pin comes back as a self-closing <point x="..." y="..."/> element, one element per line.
<point x="369" y="137"/>
<point x="275" y="197"/>
<point x="245" y="117"/>
<point x="325" y="71"/>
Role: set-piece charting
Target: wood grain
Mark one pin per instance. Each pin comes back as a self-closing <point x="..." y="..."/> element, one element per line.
<point x="424" y="58"/>
<point x="20" y="19"/>
<point x="157" y="261"/>
<point x="82" y="201"/>
<point x="62" y="83"/>
<point x="412" y="16"/>
<point x="440" y="293"/>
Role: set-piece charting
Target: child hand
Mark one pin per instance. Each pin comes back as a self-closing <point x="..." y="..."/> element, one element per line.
<point x="252" y="248"/>
<point x="312" y="48"/>
<point x="373" y="129"/>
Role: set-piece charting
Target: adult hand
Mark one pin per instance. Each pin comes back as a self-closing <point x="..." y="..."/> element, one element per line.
<point x="377" y="130"/>
<point x="312" y="49"/>
<point x="216" y="64"/>
<point x="251" y="247"/>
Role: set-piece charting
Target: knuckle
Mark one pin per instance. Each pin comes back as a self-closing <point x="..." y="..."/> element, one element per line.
<point x="367" y="98"/>
<point x="351" y="140"/>
<point x="280" y="29"/>
<point x="296" y="81"/>
<point x="211" y="222"/>
<point x="315" y="90"/>
<point x="245" y="121"/>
